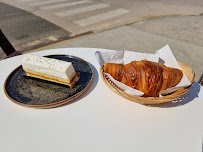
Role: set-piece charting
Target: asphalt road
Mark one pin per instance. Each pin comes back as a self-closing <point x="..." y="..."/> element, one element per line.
<point x="26" y="31"/>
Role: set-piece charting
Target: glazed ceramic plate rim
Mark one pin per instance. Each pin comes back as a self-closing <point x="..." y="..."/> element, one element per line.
<point x="57" y="103"/>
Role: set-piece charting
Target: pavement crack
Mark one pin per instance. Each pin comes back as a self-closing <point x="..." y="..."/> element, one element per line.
<point x="151" y="17"/>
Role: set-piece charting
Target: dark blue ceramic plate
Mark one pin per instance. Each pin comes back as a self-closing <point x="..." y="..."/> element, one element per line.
<point x="38" y="93"/>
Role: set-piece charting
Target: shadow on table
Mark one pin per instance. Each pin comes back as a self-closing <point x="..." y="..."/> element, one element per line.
<point x="186" y="98"/>
<point x="93" y="84"/>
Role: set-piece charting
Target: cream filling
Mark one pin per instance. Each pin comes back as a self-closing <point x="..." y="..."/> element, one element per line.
<point x="48" y="66"/>
<point x="50" y="77"/>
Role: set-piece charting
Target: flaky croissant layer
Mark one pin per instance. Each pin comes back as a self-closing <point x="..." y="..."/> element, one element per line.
<point x="146" y="76"/>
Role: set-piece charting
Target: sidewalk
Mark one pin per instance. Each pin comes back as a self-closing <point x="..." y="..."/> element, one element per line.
<point x="138" y="37"/>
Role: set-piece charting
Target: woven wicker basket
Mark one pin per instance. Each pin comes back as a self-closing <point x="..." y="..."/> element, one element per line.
<point x="156" y="100"/>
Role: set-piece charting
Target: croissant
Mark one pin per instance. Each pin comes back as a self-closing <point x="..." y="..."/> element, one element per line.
<point x="146" y="76"/>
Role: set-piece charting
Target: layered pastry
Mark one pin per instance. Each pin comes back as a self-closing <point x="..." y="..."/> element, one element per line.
<point x="50" y="69"/>
<point x="146" y="76"/>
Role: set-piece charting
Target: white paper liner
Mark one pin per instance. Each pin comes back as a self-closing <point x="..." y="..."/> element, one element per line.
<point x="164" y="56"/>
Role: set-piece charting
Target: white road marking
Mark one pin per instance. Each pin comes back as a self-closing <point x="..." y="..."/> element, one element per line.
<point x="100" y="17"/>
<point x="81" y="10"/>
<point x="45" y="2"/>
<point x="65" y="5"/>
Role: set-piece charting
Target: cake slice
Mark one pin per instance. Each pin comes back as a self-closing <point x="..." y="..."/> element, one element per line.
<point x="50" y="69"/>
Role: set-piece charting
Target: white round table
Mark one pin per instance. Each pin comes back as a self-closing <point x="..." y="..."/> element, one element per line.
<point x="100" y="120"/>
